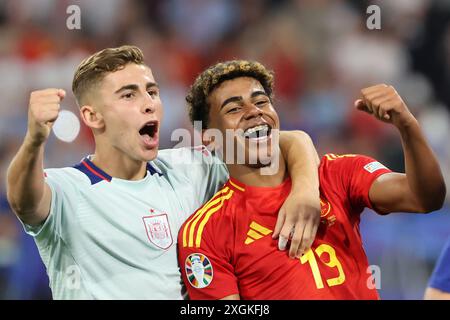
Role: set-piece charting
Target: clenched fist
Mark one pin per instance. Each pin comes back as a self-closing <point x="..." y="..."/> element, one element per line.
<point x="42" y="113"/>
<point x="385" y="104"/>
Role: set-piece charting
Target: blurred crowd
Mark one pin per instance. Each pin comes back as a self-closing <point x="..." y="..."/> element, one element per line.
<point x="322" y="53"/>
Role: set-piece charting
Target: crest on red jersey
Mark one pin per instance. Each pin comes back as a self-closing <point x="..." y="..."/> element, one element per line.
<point x="325" y="208"/>
<point x="158" y="230"/>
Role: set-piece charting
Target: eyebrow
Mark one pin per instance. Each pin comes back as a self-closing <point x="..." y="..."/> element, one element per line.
<point x="135" y="87"/>
<point x="229" y="100"/>
<point x="239" y="98"/>
<point x="259" y="92"/>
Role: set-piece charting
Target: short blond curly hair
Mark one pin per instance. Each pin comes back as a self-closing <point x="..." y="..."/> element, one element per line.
<point x="212" y="77"/>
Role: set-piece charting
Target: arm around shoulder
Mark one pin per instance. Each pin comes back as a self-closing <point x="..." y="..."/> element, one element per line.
<point x="300" y="212"/>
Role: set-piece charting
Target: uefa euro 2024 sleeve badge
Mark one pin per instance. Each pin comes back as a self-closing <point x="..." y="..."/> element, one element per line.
<point x="199" y="270"/>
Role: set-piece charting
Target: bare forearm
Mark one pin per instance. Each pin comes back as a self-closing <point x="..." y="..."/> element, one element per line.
<point x="422" y="168"/>
<point x="25" y="178"/>
<point x="27" y="193"/>
<point x="302" y="159"/>
<point x="422" y="189"/>
<point x="300" y="214"/>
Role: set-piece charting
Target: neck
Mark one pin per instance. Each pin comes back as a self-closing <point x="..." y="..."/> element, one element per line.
<point x="117" y="164"/>
<point x="252" y="176"/>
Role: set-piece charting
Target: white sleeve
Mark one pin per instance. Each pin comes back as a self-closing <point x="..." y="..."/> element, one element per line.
<point x="204" y="172"/>
<point x="210" y="176"/>
<point x="63" y="205"/>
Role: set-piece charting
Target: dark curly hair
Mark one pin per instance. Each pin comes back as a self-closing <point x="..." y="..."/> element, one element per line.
<point x="212" y="77"/>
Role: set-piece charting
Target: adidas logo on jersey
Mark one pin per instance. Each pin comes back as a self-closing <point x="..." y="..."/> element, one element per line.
<point x="256" y="232"/>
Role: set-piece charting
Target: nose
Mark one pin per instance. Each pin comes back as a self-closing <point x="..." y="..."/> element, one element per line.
<point x="252" y="111"/>
<point x="149" y="109"/>
<point x="148" y="105"/>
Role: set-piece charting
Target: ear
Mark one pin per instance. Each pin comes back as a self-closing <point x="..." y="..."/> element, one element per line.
<point x="92" y="118"/>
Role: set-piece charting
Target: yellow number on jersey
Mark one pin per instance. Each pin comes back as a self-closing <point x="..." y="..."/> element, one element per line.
<point x="333" y="263"/>
<point x="332" y="156"/>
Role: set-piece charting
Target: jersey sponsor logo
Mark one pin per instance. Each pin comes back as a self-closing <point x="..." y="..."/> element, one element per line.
<point x="255" y="232"/>
<point x="158" y="230"/>
<point x="199" y="270"/>
<point x="374" y="166"/>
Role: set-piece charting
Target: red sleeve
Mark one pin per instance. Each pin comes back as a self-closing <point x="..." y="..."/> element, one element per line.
<point x="206" y="270"/>
<point x="356" y="173"/>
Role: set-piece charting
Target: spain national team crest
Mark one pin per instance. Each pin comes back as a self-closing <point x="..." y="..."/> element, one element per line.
<point x="199" y="270"/>
<point x="158" y="230"/>
<point x="325" y="208"/>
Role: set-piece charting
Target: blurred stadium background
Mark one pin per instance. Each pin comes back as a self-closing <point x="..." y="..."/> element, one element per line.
<point x="322" y="54"/>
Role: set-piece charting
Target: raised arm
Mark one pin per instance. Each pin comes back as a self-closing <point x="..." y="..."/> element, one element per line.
<point x="422" y="187"/>
<point x="27" y="192"/>
<point x="301" y="210"/>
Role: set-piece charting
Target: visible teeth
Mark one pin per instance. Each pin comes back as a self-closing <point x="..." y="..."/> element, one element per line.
<point x="264" y="129"/>
<point x="257" y="128"/>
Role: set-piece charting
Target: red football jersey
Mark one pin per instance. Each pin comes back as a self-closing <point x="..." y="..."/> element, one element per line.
<point x="226" y="246"/>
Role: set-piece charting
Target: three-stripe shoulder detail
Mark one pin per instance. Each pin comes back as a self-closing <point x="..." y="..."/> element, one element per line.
<point x="195" y="225"/>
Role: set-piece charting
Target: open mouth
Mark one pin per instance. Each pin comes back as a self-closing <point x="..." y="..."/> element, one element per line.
<point x="149" y="134"/>
<point x="258" y="132"/>
<point x="149" y="129"/>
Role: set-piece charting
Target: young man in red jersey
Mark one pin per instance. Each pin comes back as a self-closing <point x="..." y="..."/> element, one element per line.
<point x="225" y="247"/>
